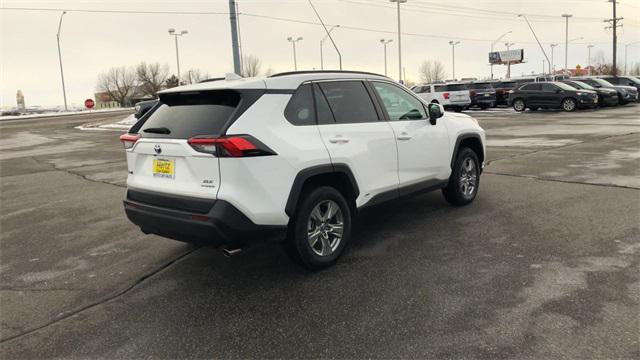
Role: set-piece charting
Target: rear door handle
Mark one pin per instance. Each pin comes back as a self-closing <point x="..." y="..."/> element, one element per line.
<point x="338" y="140"/>
<point x="404" y="136"/>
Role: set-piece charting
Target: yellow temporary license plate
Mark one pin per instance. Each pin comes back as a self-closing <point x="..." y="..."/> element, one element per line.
<point x="164" y="168"/>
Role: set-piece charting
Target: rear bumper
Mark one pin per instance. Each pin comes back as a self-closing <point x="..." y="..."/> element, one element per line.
<point x="489" y="101"/>
<point x="222" y="225"/>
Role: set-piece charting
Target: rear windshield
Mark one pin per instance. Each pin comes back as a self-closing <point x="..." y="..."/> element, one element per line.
<point x="184" y="115"/>
<point x="483" y="86"/>
<point x="507" y="85"/>
<point x="456" y="87"/>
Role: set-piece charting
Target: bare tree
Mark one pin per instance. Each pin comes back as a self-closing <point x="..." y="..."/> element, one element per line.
<point x="251" y="66"/>
<point x="151" y="77"/>
<point x="635" y="69"/>
<point x="431" y="71"/>
<point x="193" y="76"/>
<point x="119" y="83"/>
<point x="172" y="81"/>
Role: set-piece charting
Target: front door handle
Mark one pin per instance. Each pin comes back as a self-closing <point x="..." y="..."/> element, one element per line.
<point x="338" y="139"/>
<point x="404" y="136"/>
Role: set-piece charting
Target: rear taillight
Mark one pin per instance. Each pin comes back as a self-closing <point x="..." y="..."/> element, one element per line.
<point x="230" y="146"/>
<point x="472" y="93"/>
<point x="445" y="96"/>
<point x="129" y="140"/>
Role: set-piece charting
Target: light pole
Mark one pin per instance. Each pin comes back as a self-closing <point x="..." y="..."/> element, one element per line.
<point x="509" y="45"/>
<point x="566" y="40"/>
<point x="293" y="41"/>
<point x="322" y="42"/>
<point x="172" y="32"/>
<point x="384" y="44"/>
<point x="64" y="91"/>
<point x="552" y="66"/>
<point x="453" y="57"/>
<point x="495" y="42"/>
<point x="626" y="47"/>
<point x="399" y="41"/>
<point x="589" y="58"/>
<point x="534" y="35"/>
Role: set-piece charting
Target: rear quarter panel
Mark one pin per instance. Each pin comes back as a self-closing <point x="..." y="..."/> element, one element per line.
<point x="260" y="186"/>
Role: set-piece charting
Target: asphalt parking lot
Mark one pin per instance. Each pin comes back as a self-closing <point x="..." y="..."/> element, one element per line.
<point x="543" y="265"/>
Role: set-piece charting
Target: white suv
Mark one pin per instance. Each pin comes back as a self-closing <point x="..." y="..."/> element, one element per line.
<point x="451" y="96"/>
<point x="297" y="154"/>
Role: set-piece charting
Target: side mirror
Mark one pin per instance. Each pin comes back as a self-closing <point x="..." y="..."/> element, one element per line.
<point x="558" y="91"/>
<point x="436" y="111"/>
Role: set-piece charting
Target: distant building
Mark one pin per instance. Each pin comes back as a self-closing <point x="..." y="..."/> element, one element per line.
<point x="104" y="100"/>
<point x="20" y="101"/>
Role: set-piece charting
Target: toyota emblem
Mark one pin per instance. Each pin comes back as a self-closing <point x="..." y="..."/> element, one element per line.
<point x="157" y="149"/>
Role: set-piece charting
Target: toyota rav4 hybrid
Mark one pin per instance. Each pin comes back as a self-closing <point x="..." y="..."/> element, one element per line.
<point x="298" y="155"/>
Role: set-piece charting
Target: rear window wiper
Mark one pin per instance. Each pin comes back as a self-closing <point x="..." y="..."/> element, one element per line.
<point x="158" y="130"/>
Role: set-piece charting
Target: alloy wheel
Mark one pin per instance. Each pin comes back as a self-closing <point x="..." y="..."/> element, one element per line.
<point x="325" y="228"/>
<point x="468" y="177"/>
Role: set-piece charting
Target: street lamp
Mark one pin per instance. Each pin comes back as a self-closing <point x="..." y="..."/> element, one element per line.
<point x="293" y="42"/>
<point x="384" y="44"/>
<point x="322" y="42"/>
<point x="399" y="41"/>
<point x="626" y="47"/>
<point x="495" y="42"/>
<point x="552" y="65"/>
<point x="172" y="32"/>
<point x="534" y="35"/>
<point x="589" y="58"/>
<point x="64" y="91"/>
<point x="566" y="40"/>
<point x="453" y="57"/>
<point x="509" y="45"/>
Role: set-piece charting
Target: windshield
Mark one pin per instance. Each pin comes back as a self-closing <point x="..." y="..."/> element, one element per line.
<point x="585" y="86"/>
<point x="633" y="80"/>
<point x="507" y="85"/>
<point x="482" y="86"/>
<point x="184" y="115"/>
<point x="564" y="86"/>
<point x="602" y="82"/>
<point x="456" y="87"/>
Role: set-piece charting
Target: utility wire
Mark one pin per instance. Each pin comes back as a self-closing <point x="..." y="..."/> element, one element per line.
<point x="276" y="18"/>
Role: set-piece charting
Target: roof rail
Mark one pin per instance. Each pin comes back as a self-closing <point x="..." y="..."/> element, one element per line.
<point x="324" y="72"/>
<point x="210" y="80"/>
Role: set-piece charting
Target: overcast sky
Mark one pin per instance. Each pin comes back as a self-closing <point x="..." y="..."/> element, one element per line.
<point x="93" y="42"/>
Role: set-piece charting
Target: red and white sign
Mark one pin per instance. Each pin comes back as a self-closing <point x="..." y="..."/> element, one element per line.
<point x="89" y="103"/>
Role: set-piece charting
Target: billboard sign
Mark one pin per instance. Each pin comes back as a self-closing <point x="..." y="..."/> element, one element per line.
<point x="509" y="56"/>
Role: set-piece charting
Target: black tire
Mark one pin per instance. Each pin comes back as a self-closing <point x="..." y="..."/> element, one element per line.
<point x="455" y="192"/>
<point x="519" y="105"/>
<point x="298" y="244"/>
<point x="457" y="109"/>
<point x="569" y="104"/>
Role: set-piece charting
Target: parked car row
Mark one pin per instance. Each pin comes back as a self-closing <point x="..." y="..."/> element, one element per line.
<point x="561" y="91"/>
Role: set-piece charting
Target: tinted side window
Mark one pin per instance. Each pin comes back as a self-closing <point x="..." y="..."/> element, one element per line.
<point x="399" y="104"/>
<point x="349" y="101"/>
<point x="323" y="112"/>
<point x="549" y="87"/>
<point x="299" y="110"/>
<point x="531" y="87"/>
<point x="440" y="88"/>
